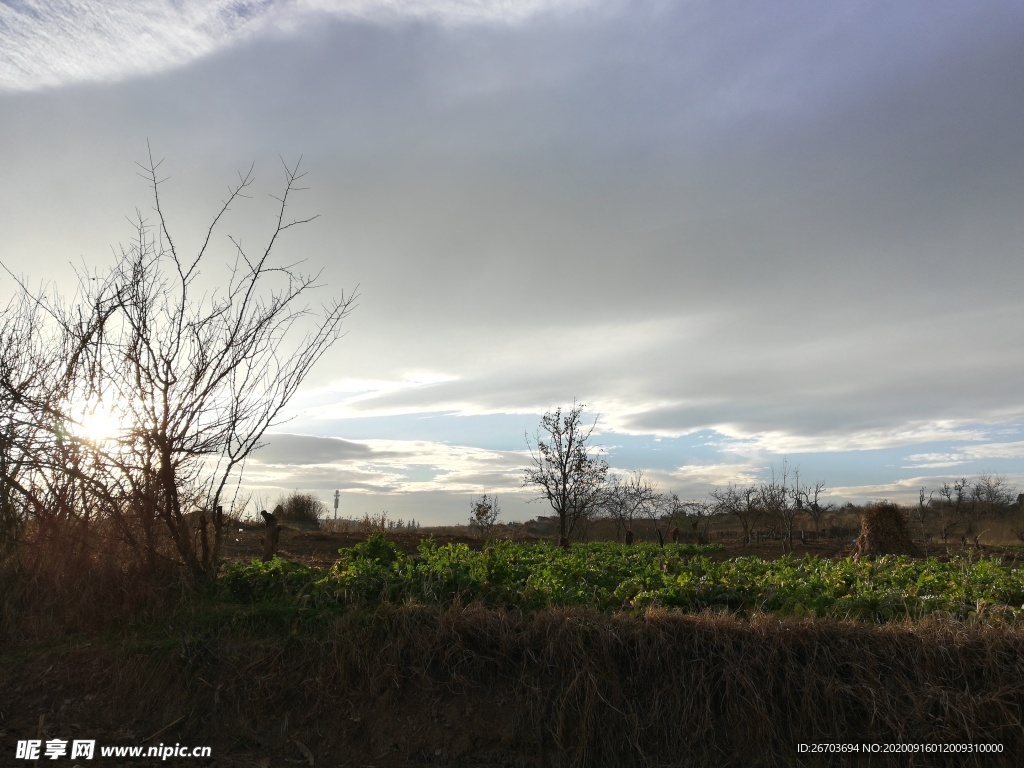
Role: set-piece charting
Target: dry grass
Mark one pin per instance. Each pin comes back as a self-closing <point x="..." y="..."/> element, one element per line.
<point x="1000" y="532"/>
<point x="466" y="685"/>
<point x="72" y="578"/>
<point x="884" y="531"/>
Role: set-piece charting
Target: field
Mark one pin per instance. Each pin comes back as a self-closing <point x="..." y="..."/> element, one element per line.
<point x="608" y="577"/>
<point x="392" y="651"/>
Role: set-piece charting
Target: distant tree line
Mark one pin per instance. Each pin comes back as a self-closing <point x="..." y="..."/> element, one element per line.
<point x="575" y="479"/>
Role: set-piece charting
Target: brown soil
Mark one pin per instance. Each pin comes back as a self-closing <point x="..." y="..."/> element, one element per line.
<point x="321" y="547"/>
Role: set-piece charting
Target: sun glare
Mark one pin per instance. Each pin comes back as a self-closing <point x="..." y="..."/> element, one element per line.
<point x="98" y="423"/>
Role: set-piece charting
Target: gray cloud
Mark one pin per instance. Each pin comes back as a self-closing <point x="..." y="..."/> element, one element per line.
<point x="303" y="449"/>
<point x="799" y="228"/>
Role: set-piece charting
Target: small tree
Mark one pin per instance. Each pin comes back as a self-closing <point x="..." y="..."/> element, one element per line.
<point x="741" y="503"/>
<point x="659" y="510"/>
<point x="809" y="499"/>
<point x="701" y="512"/>
<point x="689" y="519"/>
<point x="963" y="504"/>
<point x="921" y="513"/>
<point x="30" y="386"/>
<point x="776" y="501"/>
<point x="570" y="477"/>
<point x="483" y="514"/>
<point x="626" y="499"/>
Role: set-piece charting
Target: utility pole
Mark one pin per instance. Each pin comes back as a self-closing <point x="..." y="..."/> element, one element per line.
<point x="337" y="495"/>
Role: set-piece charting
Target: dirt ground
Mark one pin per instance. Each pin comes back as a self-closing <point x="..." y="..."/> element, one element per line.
<point x="320" y="548"/>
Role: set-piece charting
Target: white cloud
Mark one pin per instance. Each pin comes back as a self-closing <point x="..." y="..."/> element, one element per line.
<point x="903" y="491"/>
<point x="395" y="466"/>
<point x="1012" y="450"/>
<point x="428" y="480"/>
<point x="785" y="228"/>
<point x="715" y="475"/>
<point x="54" y="42"/>
<point x="935" y="460"/>
<point x="360" y="397"/>
<point x="47" y="43"/>
<point x="448" y="11"/>
<point x="780" y="443"/>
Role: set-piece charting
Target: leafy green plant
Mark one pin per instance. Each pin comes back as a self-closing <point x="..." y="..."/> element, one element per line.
<point x="611" y="576"/>
<point x="276" y="579"/>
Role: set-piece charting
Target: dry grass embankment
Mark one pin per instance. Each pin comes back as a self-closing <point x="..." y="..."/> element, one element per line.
<point x="467" y="685"/>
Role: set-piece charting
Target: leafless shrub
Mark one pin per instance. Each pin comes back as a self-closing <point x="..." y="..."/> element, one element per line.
<point x="374" y="523"/>
<point x="302" y="508"/>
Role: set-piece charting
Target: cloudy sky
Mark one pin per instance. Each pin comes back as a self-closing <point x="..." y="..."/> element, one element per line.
<point x="740" y="232"/>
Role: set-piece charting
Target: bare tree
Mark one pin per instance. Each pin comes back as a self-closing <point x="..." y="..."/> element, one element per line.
<point x="807" y="499"/>
<point x="196" y="374"/>
<point x="963" y="504"/>
<point x="26" y="382"/>
<point x="991" y="493"/>
<point x="568" y="474"/>
<point x="627" y="499"/>
<point x="693" y="517"/>
<point x="612" y="505"/>
<point x="42" y="460"/>
<point x="659" y="510"/>
<point x="776" y="501"/>
<point x="740" y="502"/>
<point x="921" y="513"/>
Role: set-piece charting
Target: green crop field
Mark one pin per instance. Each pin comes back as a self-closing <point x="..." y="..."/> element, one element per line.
<point x="611" y="576"/>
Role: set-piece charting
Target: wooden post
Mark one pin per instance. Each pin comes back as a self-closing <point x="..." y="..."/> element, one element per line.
<point x="204" y="541"/>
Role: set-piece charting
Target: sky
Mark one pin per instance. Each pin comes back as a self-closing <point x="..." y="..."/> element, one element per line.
<point x="741" y="233"/>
